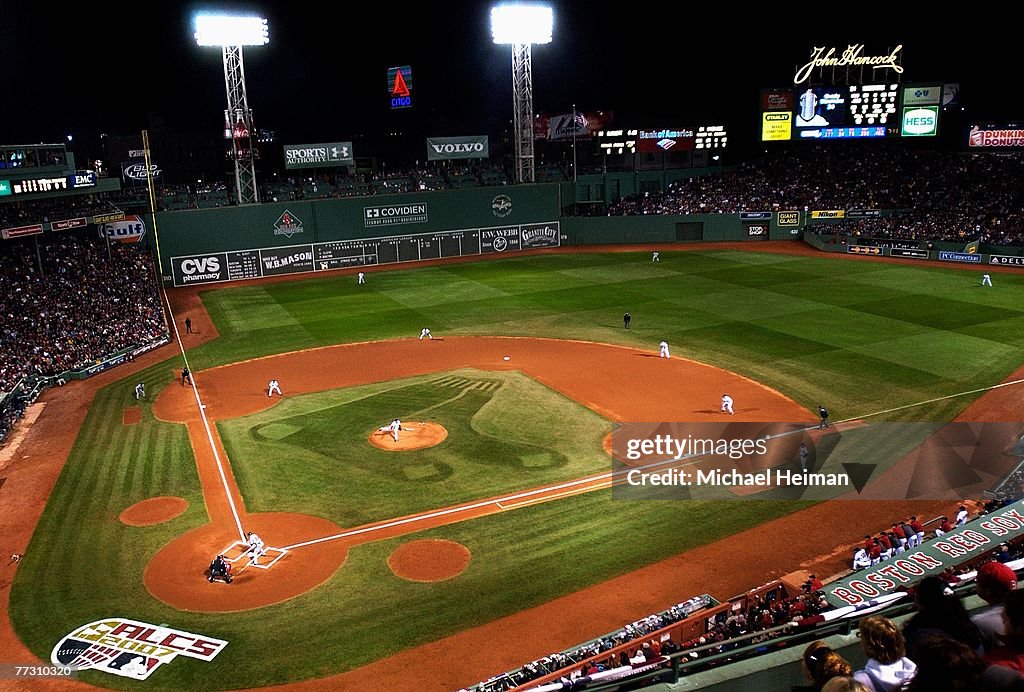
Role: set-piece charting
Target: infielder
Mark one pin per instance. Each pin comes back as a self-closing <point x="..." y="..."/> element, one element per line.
<point x="664" y="349"/>
<point x="426" y="333"/>
<point x="272" y="387"/>
<point x="727" y="404"/>
<point x="986" y="280"/>
<point x="256" y="547"/>
<point x="362" y="278"/>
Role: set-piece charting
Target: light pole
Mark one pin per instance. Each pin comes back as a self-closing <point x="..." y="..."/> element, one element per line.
<point x="521" y="26"/>
<point x="230" y="33"/>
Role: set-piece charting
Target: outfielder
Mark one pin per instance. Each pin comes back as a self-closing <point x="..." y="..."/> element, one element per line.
<point x="727" y="404"/>
<point x="664" y="349"/>
<point x="272" y="387"/>
<point x="140" y="391"/>
<point x="426" y="333"/>
<point x="256" y="548"/>
<point x="362" y="278"/>
<point x="986" y="280"/>
<point x="655" y="256"/>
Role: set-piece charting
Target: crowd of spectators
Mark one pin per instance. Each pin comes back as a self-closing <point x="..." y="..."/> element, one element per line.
<point x="16" y="213"/>
<point x="331" y="184"/>
<point x="766" y="617"/>
<point x="944" y="195"/>
<point x="78" y="307"/>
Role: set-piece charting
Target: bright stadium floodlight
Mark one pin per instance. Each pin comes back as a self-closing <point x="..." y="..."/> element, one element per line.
<point x="226" y="30"/>
<point x="521" y="26"/>
<point x="230" y="33"/>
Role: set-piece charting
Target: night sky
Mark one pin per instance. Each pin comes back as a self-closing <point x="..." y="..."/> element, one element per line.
<point x="107" y="67"/>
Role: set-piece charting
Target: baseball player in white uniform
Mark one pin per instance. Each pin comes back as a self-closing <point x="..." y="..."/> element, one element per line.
<point x="395" y="426"/>
<point x="272" y="387"/>
<point x="961" y="516"/>
<point x="664" y="349"/>
<point x="140" y="391"/>
<point x="362" y="278"/>
<point x="425" y="333"/>
<point x="256" y="548"/>
<point x="727" y="404"/>
<point x="655" y="256"/>
<point x="986" y="279"/>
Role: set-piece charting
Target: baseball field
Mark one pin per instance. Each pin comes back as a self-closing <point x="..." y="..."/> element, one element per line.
<point x="381" y="551"/>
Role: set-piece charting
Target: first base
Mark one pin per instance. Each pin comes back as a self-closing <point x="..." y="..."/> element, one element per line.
<point x="507" y="358"/>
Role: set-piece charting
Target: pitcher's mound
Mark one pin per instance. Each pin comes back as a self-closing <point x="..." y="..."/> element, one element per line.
<point x="155" y="510"/>
<point x="413" y="435"/>
<point x="429" y="560"/>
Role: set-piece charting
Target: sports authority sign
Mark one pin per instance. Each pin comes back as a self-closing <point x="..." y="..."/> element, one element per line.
<point x="447" y="148"/>
<point x="951" y="549"/>
<point x="394" y="214"/>
<point x="327" y="155"/>
<point x="130" y="648"/>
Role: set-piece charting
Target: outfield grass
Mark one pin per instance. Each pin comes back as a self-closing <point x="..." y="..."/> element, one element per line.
<point x="856" y="336"/>
<point x="310" y="454"/>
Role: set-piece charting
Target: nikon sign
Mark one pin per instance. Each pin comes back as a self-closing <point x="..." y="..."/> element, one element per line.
<point x="446" y="148"/>
<point x="330" y="155"/>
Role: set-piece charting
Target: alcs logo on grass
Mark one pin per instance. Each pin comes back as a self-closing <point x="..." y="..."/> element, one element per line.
<point x="130" y="648"/>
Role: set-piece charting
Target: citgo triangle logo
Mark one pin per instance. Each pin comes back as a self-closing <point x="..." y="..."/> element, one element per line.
<point x="399" y="89"/>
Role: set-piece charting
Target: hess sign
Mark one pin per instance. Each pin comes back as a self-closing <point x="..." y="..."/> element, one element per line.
<point x="400" y="86"/>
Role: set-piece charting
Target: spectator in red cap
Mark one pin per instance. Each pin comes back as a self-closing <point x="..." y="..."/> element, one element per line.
<point x="994" y="583"/>
<point x="944" y="527"/>
<point x="1011" y="655"/>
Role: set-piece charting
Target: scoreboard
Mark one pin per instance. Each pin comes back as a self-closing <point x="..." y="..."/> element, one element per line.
<point x="233" y="265"/>
<point x="849" y="111"/>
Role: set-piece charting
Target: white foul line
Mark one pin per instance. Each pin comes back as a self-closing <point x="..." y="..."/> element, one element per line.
<point x="206" y="422"/>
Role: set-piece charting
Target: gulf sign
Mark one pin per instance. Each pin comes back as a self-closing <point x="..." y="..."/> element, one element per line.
<point x="130" y="230"/>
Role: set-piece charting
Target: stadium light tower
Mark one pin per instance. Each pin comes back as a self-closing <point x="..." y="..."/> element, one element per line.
<point x="230" y="33"/>
<point x="521" y="26"/>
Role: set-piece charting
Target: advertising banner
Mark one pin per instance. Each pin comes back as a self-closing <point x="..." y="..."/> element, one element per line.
<point x="446" y="148"/>
<point x="829" y="214"/>
<point x="331" y="154"/>
<point x="909" y="253"/>
<point x="394" y="214"/>
<point x="655" y="141"/>
<point x="996" y="136"/>
<point x="930" y="95"/>
<point x="135" y="171"/>
<point x="22" y="231"/>
<point x="130" y="230"/>
<point x="969" y="258"/>
<point x="776" y="127"/>
<point x="1012" y="260"/>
